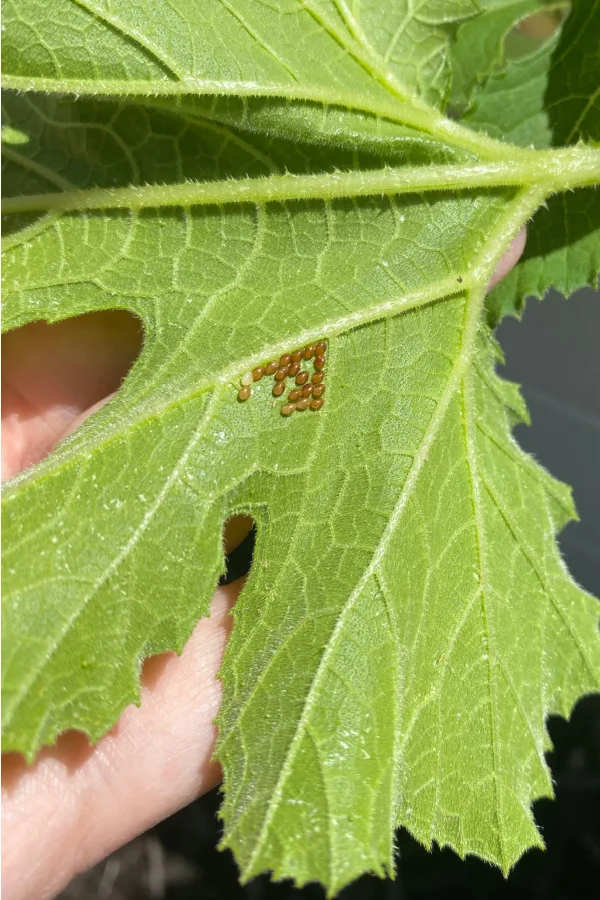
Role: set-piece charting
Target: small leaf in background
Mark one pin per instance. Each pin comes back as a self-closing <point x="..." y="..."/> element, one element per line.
<point x="550" y="98"/>
<point x="480" y="50"/>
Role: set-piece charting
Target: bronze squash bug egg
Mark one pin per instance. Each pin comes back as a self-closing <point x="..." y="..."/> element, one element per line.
<point x="303" y="395"/>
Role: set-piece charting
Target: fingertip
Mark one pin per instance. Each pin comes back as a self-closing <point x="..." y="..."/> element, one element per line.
<point x="510" y="258"/>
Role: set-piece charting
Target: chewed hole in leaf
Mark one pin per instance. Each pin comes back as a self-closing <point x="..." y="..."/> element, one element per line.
<point x="55" y="375"/>
<point x="542" y="25"/>
<point x="533" y="31"/>
<point x="239" y="538"/>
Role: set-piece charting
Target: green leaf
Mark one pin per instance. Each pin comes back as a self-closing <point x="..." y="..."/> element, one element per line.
<point x="512" y="104"/>
<point x="551" y="98"/>
<point x="249" y="179"/>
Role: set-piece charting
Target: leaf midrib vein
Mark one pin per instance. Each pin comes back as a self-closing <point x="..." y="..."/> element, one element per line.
<point x="62" y="457"/>
<point x="549" y="170"/>
<point x="468" y="405"/>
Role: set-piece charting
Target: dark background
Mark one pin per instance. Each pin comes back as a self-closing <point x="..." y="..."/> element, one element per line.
<point x="554" y="353"/>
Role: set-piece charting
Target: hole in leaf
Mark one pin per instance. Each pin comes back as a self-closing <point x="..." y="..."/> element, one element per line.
<point x="55" y="375"/>
<point x="533" y="31"/>
<point x="239" y="538"/>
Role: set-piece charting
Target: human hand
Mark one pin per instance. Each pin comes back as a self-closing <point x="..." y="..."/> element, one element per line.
<point x="77" y="803"/>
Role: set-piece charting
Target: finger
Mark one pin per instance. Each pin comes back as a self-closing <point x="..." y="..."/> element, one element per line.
<point x="510" y="259"/>
<point x="76" y="804"/>
<point x="52" y="374"/>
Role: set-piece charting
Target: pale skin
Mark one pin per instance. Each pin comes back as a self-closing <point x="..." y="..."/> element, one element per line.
<point x="77" y="803"/>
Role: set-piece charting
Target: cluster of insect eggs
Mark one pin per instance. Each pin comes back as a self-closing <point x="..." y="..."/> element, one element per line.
<point x="305" y="394"/>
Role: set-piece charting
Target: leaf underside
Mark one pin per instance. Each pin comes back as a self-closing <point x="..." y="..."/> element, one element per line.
<point x="408" y="623"/>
